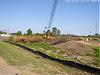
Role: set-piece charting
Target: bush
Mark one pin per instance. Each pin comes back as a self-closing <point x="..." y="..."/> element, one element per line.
<point x="11" y="39"/>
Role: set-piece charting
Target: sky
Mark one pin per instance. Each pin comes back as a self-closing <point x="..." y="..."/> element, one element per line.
<point x="79" y="18"/>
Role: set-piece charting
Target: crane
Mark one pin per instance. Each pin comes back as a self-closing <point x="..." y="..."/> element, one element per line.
<point x="51" y="17"/>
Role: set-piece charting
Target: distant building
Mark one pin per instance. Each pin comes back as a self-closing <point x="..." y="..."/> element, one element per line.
<point x="5" y="35"/>
<point x="13" y="33"/>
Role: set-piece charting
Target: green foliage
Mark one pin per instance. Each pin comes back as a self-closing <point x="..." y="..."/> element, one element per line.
<point x="2" y="32"/>
<point x="29" y="32"/>
<point x="11" y="39"/>
<point x="96" y="54"/>
<point x="47" y="49"/>
<point x="14" y="55"/>
<point x="96" y="34"/>
<point x="42" y="45"/>
<point x="55" y="31"/>
<point x="19" y="33"/>
<point x="58" y="32"/>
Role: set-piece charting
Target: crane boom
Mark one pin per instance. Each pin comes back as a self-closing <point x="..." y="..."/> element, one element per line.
<point x="52" y="14"/>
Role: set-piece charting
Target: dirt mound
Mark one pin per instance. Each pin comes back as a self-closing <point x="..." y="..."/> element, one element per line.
<point x="74" y="46"/>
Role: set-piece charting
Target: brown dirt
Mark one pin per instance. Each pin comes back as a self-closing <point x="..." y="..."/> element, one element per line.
<point x="79" y="50"/>
<point x="75" y="46"/>
<point x="85" y="43"/>
<point x="95" y="43"/>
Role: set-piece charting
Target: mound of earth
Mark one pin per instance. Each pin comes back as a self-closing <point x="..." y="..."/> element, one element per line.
<point x="75" y="47"/>
<point x="79" y="50"/>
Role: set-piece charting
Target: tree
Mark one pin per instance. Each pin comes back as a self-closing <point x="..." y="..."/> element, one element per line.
<point x="58" y="32"/>
<point x="0" y="32"/>
<point x="29" y="32"/>
<point x="54" y="31"/>
<point x="19" y="33"/>
<point x="96" y="34"/>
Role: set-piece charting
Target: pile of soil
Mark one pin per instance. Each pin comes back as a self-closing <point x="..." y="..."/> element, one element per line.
<point x="75" y="47"/>
<point x="78" y="50"/>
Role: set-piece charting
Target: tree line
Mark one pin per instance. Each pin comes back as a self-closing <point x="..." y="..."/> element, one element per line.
<point x="54" y="31"/>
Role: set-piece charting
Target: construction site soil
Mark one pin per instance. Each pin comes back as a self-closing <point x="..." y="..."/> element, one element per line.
<point x="80" y="51"/>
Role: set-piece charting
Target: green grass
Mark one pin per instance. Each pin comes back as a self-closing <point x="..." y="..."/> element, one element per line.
<point x="47" y="49"/>
<point x="44" y="46"/>
<point x="61" y="54"/>
<point x="96" y="54"/>
<point x="16" y="56"/>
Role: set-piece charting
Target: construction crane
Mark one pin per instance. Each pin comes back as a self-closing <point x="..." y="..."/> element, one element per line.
<point x="51" y="18"/>
<point x="97" y="22"/>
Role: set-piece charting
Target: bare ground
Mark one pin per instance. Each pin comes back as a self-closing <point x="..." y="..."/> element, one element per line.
<point x="79" y="50"/>
<point x="75" y="46"/>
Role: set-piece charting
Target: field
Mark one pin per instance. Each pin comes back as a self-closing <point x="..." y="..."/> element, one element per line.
<point x="77" y="51"/>
<point x="48" y="49"/>
<point x="21" y="62"/>
<point x="54" y="37"/>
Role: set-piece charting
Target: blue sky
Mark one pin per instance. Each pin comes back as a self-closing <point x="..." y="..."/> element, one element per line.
<point x="73" y="18"/>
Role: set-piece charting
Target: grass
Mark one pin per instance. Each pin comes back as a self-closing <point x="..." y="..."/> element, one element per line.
<point x="40" y="45"/>
<point x="97" y="55"/>
<point x="62" y="54"/>
<point x="45" y="46"/>
<point x="16" y="56"/>
<point x="47" y="49"/>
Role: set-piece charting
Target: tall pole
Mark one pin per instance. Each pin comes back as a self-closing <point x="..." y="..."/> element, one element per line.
<point x="97" y="22"/>
<point x="52" y="14"/>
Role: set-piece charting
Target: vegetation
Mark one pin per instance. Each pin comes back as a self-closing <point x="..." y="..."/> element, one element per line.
<point x="47" y="49"/>
<point x="55" y="31"/>
<point x="19" y="58"/>
<point x="36" y="42"/>
<point x="29" y="32"/>
<point x="1" y="32"/>
<point x="58" y="32"/>
<point x="11" y="39"/>
<point x="19" y="33"/>
<point x="14" y="55"/>
<point x="97" y="54"/>
<point x="93" y="56"/>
